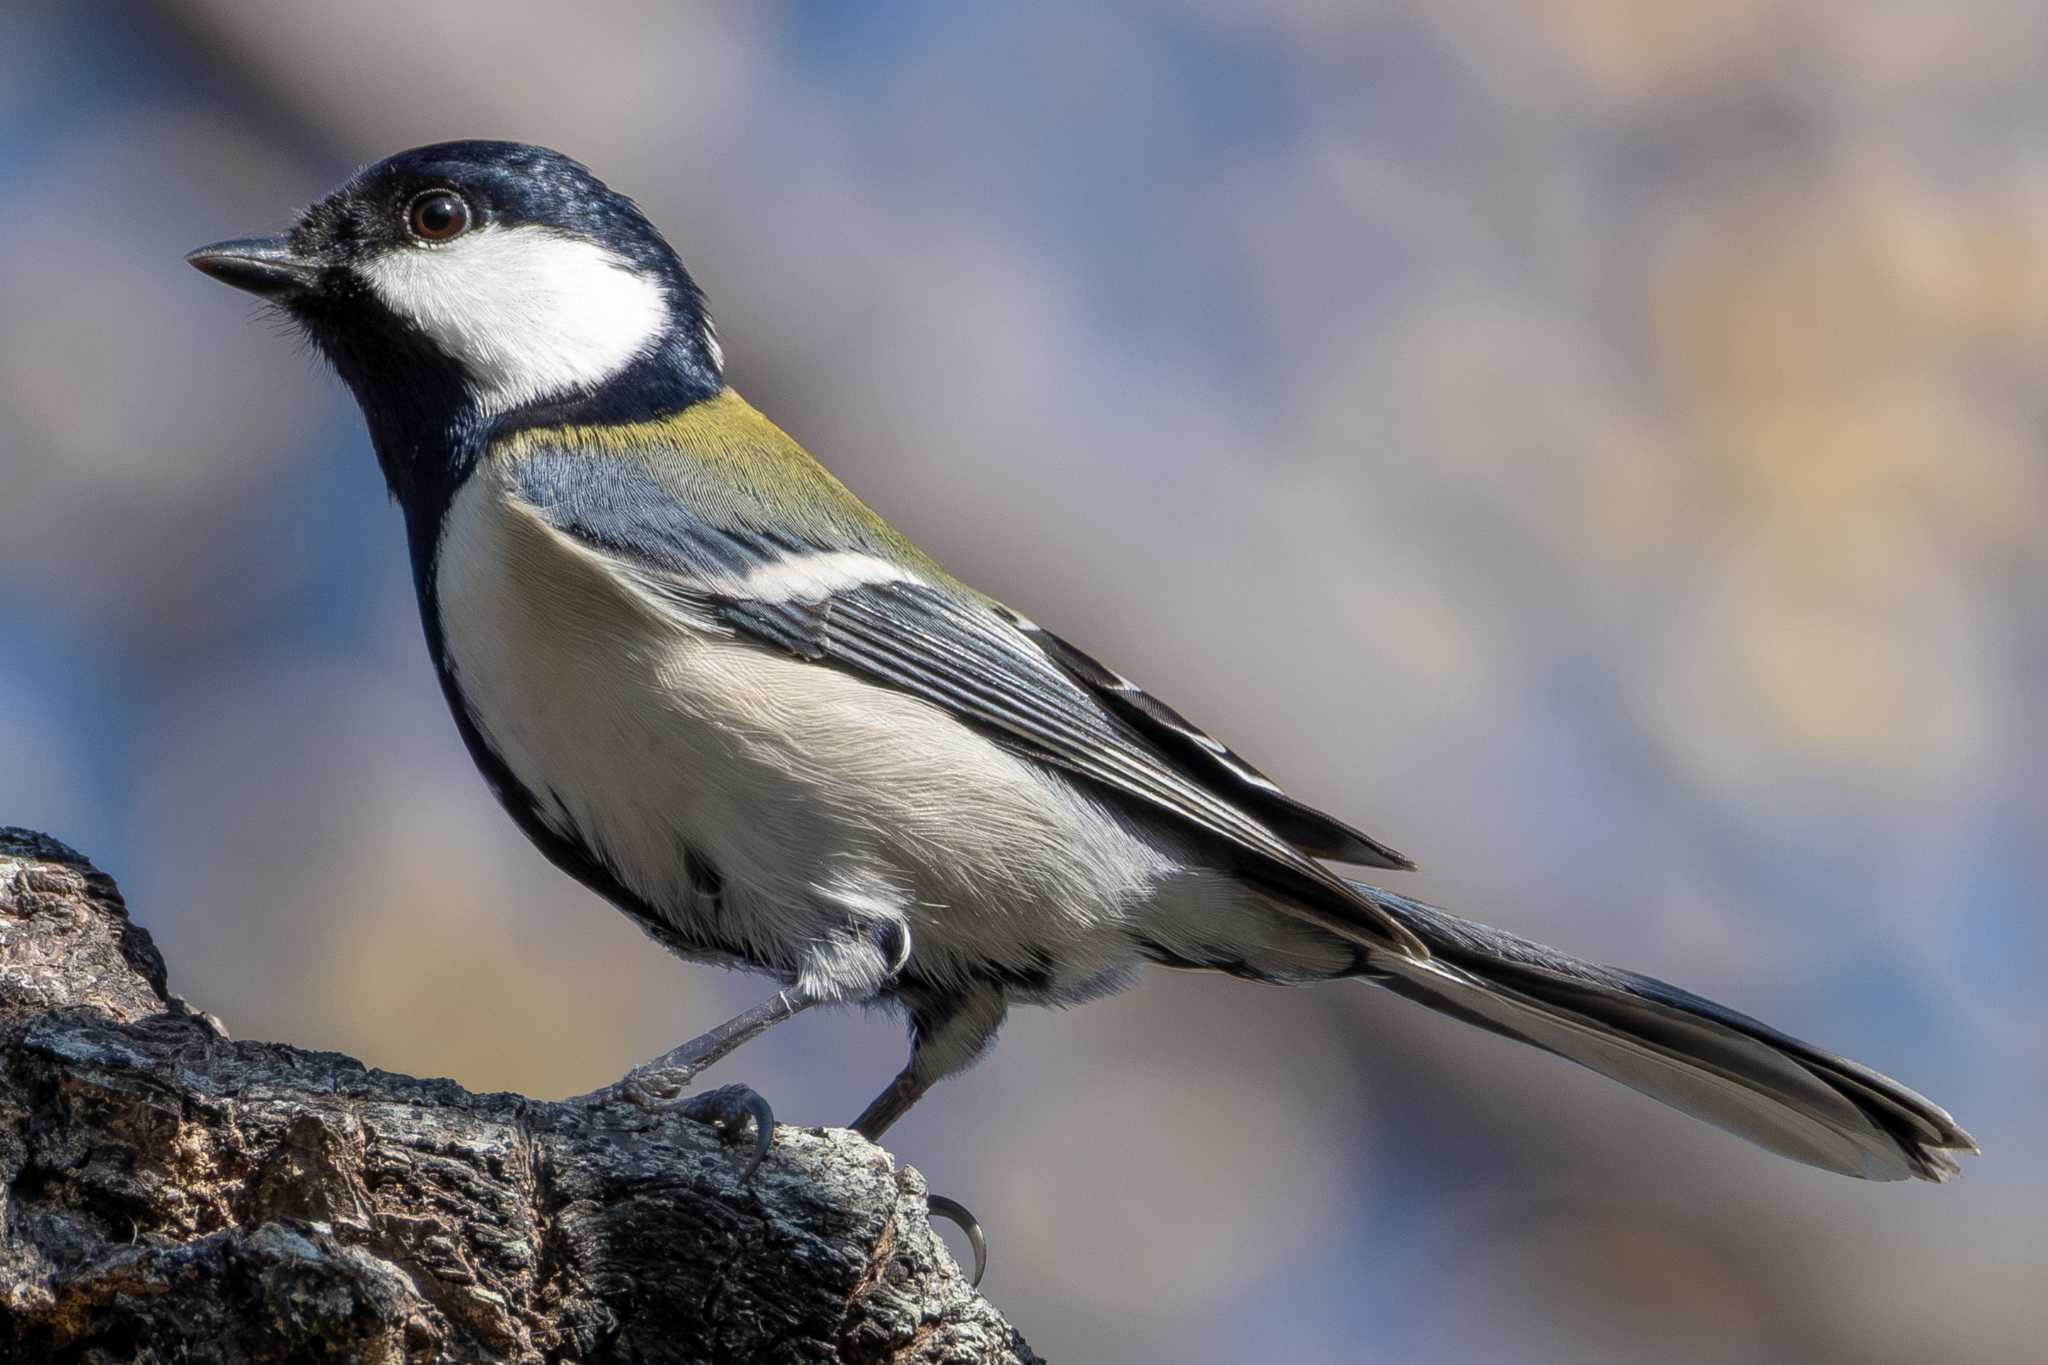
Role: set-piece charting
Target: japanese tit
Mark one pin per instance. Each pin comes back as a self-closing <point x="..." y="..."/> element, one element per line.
<point x="715" y="688"/>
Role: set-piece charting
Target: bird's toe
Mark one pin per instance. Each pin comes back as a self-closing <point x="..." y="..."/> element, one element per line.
<point x="730" y="1109"/>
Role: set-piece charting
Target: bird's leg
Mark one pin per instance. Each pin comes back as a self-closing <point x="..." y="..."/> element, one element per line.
<point x="660" y="1084"/>
<point x="669" y="1074"/>
<point x="893" y="1103"/>
<point x="946" y="1033"/>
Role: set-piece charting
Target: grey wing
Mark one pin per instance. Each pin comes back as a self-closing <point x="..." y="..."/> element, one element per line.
<point x="978" y="663"/>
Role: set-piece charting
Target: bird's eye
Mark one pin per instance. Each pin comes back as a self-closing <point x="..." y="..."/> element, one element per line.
<point x="437" y="215"/>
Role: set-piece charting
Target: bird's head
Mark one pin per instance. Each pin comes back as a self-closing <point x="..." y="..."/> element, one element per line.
<point x="465" y="284"/>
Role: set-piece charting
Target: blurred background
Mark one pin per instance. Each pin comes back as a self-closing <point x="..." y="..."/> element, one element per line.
<point x="1599" y="447"/>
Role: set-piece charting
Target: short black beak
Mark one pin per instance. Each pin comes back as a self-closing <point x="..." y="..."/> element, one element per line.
<point x="262" y="265"/>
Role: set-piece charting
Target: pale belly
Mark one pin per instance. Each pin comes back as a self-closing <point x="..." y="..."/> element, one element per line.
<point x="830" y="827"/>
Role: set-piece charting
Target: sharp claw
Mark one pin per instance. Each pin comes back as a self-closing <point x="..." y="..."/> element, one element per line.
<point x="764" y="1132"/>
<point x="726" y="1109"/>
<point x="956" y="1212"/>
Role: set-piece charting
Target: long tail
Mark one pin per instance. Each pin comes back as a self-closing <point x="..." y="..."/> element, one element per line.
<point x="1696" y="1056"/>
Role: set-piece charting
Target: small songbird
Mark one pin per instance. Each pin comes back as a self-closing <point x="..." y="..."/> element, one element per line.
<point x="716" y="689"/>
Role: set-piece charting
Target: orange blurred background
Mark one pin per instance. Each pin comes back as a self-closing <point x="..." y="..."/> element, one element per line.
<point x="1599" y="447"/>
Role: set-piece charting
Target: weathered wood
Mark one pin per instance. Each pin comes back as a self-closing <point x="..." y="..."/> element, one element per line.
<point x="171" y="1195"/>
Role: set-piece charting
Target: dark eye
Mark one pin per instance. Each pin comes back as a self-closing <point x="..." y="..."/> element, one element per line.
<point x="437" y="215"/>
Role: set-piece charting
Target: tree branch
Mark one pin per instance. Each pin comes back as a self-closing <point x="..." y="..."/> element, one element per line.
<point x="175" y="1196"/>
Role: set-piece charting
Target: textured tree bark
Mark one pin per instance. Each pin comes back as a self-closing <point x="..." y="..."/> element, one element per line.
<point x="171" y="1195"/>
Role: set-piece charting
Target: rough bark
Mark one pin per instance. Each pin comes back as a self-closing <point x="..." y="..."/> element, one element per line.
<point x="171" y="1195"/>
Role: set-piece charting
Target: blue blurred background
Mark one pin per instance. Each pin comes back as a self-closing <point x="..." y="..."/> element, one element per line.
<point x="1597" y="446"/>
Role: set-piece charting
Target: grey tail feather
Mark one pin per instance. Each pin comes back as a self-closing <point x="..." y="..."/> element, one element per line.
<point x="1699" y="1057"/>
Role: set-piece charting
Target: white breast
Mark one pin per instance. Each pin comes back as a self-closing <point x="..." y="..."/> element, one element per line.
<point x="824" y="801"/>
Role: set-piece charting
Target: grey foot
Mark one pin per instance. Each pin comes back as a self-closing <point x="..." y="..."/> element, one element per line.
<point x="654" y="1089"/>
<point x="729" y="1109"/>
<point x="953" y="1211"/>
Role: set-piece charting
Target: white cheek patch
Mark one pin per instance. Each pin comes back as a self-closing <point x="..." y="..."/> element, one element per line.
<point x="529" y="312"/>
